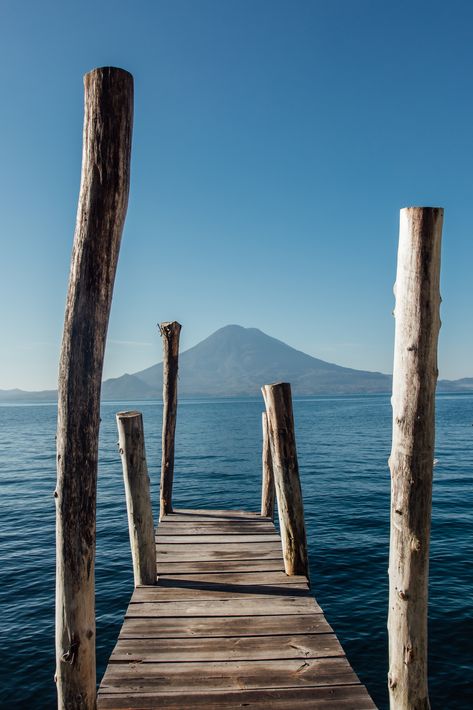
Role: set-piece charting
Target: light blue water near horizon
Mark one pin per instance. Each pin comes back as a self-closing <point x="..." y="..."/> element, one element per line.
<point x="343" y="447"/>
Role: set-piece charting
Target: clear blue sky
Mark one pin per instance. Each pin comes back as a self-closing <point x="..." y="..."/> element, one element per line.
<point x="274" y="144"/>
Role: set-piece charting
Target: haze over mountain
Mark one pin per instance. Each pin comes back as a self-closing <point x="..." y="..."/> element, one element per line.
<point x="236" y="361"/>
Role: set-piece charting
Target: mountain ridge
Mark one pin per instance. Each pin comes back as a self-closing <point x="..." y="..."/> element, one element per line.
<point x="235" y="361"/>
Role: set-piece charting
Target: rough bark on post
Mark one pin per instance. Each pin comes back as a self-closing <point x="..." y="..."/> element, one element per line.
<point x="268" y="492"/>
<point x="131" y="442"/>
<point x="101" y="214"/>
<point x="170" y="333"/>
<point x="278" y="402"/>
<point x="411" y="461"/>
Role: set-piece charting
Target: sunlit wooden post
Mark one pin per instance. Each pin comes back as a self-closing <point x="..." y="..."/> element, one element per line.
<point x="278" y="402"/>
<point x="170" y="333"/>
<point x="100" y="217"/>
<point x="131" y="443"/>
<point x="268" y="491"/>
<point x="411" y="461"/>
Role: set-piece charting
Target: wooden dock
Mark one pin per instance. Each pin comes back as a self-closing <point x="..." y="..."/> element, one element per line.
<point x="225" y="627"/>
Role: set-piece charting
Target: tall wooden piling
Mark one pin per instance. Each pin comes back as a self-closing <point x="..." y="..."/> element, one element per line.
<point x="131" y="442"/>
<point x="278" y="402"/>
<point x="268" y="491"/>
<point x="100" y="217"/>
<point x="170" y="333"/>
<point x="411" y="461"/>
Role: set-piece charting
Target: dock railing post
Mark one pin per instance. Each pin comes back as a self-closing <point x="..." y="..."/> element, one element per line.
<point x="131" y="443"/>
<point x="101" y="214"/>
<point x="278" y="402"/>
<point x="267" y="491"/>
<point x="411" y="461"/>
<point x="170" y="333"/>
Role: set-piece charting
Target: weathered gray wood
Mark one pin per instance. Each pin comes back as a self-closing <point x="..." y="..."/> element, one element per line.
<point x="210" y="515"/>
<point x="219" y="639"/>
<point x="224" y="627"/>
<point x="411" y="460"/>
<point x="268" y="490"/>
<point x="231" y="674"/>
<point x="252" y="551"/>
<point x="231" y="649"/>
<point x="100" y="217"/>
<point x="263" y="576"/>
<point x="341" y="697"/>
<point x="212" y="529"/>
<point x="169" y="590"/>
<point x="256" y="606"/>
<point x="170" y="333"/>
<point x="131" y="442"/>
<point x="278" y="402"/>
<point x="221" y="539"/>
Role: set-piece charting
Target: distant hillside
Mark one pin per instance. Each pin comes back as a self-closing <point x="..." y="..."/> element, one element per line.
<point x="465" y="384"/>
<point x="236" y="361"/>
<point x="17" y="395"/>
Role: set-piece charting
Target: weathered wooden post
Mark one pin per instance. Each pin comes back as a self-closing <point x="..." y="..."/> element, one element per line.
<point x="278" y="402"/>
<point x="100" y="217"/>
<point x="411" y="461"/>
<point x="131" y="442"/>
<point x="170" y="333"/>
<point x="267" y="493"/>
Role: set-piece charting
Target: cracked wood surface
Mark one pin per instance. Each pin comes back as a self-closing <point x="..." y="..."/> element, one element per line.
<point x="225" y="627"/>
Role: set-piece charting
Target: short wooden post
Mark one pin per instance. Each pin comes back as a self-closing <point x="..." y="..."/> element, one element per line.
<point x="411" y="461"/>
<point x="100" y="217"/>
<point x="170" y="333"/>
<point x="278" y="402"/>
<point x="267" y="493"/>
<point x="131" y="443"/>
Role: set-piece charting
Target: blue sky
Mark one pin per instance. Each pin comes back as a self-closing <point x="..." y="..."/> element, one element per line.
<point x="274" y="144"/>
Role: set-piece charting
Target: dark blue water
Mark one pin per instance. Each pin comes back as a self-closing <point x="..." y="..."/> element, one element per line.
<point x="343" y="446"/>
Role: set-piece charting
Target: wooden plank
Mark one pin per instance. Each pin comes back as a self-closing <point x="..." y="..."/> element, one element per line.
<point x="221" y="539"/>
<point x="226" y="607"/>
<point x="202" y="590"/>
<point x="342" y="697"/>
<point x="264" y="550"/>
<point x="236" y="526"/>
<point x="182" y="568"/>
<point x="234" y="648"/>
<point x="210" y="514"/>
<point x="226" y="627"/>
<point x="236" y="675"/>
<point x="218" y="626"/>
<point x="259" y="579"/>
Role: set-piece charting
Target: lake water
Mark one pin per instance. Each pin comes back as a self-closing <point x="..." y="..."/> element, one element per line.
<point x="343" y="447"/>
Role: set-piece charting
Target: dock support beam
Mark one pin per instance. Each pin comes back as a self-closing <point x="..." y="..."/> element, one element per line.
<point x="101" y="214"/>
<point x="278" y="402"/>
<point x="170" y="333"/>
<point x="131" y="442"/>
<point x="411" y="461"/>
<point x="267" y="492"/>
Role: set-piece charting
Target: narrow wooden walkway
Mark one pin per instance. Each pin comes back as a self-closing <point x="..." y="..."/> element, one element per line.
<point x="225" y="627"/>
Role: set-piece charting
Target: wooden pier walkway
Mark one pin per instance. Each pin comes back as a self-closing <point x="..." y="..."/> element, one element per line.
<point x="225" y="627"/>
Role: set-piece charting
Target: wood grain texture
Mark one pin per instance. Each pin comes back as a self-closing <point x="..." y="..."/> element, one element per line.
<point x="131" y="443"/>
<point x="227" y="633"/>
<point x="223" y="627"/>
<point x="282" y="437"/>
<point x="170" y="334"/>
<point x="411" y="461"/>
<point x="101" y="214"/>
<point x="342" y="697"/>
<point x="227" y="649"/>
<point x="267" y="488"/>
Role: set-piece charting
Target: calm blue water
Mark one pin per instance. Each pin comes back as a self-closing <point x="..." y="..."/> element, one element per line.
<point x="343" y="446"/>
